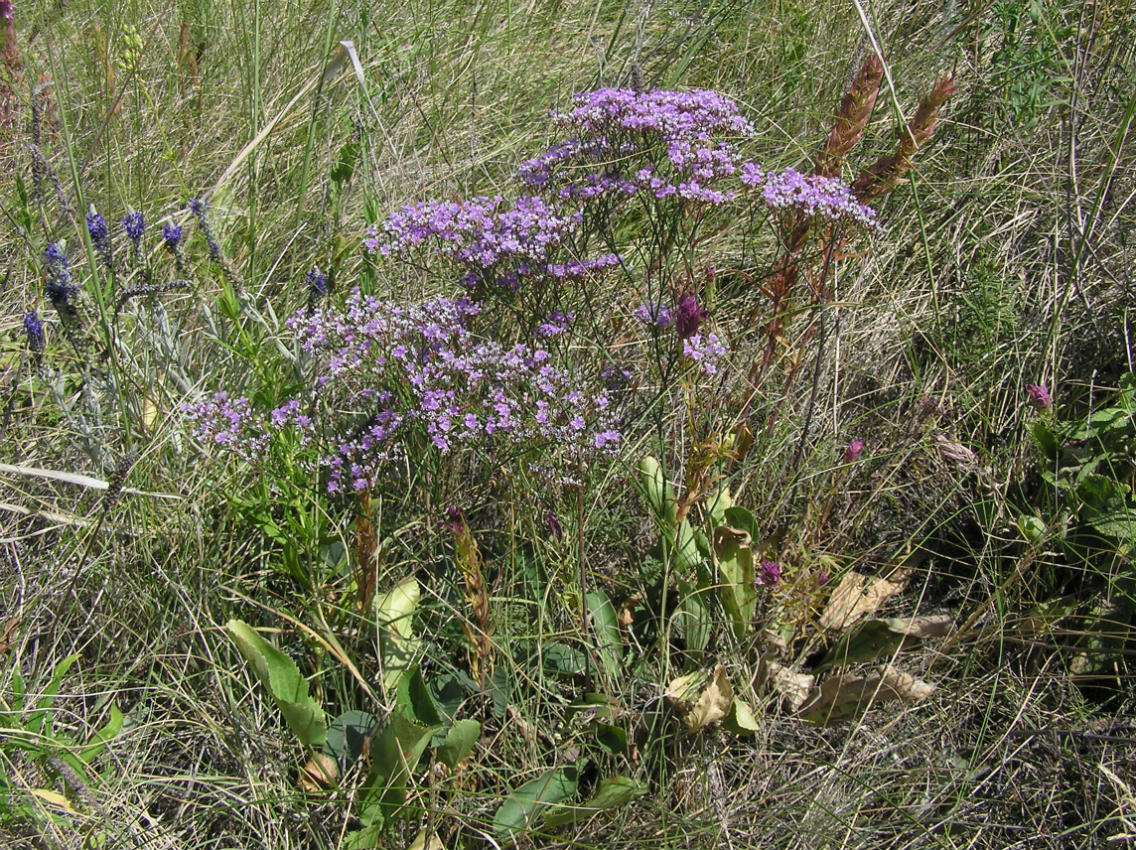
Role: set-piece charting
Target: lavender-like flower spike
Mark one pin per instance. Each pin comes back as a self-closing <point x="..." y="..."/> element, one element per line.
<point x="60" y="284"/>
<point x="6" y="10"/>
<point x="33" y="330"/>
<point x="100" y="236"/>
<point x="134" y="225"/>
<point x="200" y="209"/>
<point x="317" y="282"/>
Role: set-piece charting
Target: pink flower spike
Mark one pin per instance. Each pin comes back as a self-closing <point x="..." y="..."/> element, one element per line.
<point x="852" y="450"/>
<point x="1039" y="396"/>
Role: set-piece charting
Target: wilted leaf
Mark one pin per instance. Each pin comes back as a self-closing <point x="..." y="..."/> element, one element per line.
<point x="686" y="688"/>
<point x="714" y="703"/>
<point x="874" y="639"/>
<point x="845" y="697"/>
<point x="612" y="793"/>
<point x="795" y="688"/>
<point x="321" y="771"/>
<point x="527" y="802"/>
<point x="858" y="595"/>
<point x="427" y="840"/>
<point x="279" y="673"/>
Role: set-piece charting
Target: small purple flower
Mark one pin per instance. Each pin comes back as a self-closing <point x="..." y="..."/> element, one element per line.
<point x="706" y="351"/>
<point x="317" y="281"/>
<point x="770" y="573"/>
<point x="688" y="315"/>
<point x="1039" y="396"/>
<point x="822" y="577"/>
<point x="556" y="324"/>
<point x="852" y="450"/>
<point x="554" y="526"/>
<point x="33" y="330"/>
<point x="6" y="10"/>
<point x="657" y="315"/>
<point x="615" y="377"/>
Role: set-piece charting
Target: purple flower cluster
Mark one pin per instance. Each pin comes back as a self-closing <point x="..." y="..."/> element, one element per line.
<point x="706" y="351"/>
<point x="498" y="241"/>
<point x="656" y="315"/>
<point x="390" y="374"/>
<point x="230" y="423"/>
<point x="678" y="133"/>
<point x="1039" y="396"/>
<point x="556" y="324"/>
<point x="825" y="197"/>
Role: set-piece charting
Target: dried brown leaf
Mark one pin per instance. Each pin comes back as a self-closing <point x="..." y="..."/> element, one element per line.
<point x="858" y="595"/>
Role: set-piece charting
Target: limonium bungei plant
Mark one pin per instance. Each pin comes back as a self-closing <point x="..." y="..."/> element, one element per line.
<point x="522" y="359"/>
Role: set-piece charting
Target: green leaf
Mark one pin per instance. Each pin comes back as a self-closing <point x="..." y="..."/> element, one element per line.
<point x="687" y="557"/>
<point x="415" y="700"/>
<point x="694" y="622"/>
<point x="743" y="519"/>
<point x="279" y="673"/>
<point x="612" y="793"/>
<point x="347" y="736"/>
<point x="741" y="719"/>
<point x="100" y="738"/>
<point x="526" y="803"/>
<point x="718" y="503"/>
<point x="734" y="553"/>
<point x="394" y="755"/>
<point x="460" y="740"/>
<point x="398" y="646"/>
<point x="608" y="637"/>
<point x="659" y="492"/>
<point x="610" y="737"/>
<point x="564" y="660"/>
<point x="36" y="718"/>
<point x="1046" y="440"/>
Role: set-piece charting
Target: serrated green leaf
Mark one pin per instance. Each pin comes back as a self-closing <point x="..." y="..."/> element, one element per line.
<point x="460" y="740"/>
<point x="280" y="675"/>
<point x="526" y="803"/>
<point x="612" y="793"/>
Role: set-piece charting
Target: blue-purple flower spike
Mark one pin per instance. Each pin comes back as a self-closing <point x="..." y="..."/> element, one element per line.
<point x="100" y="236"/>
<point x="33" y="330"/>
<point x="317" y="281"/>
